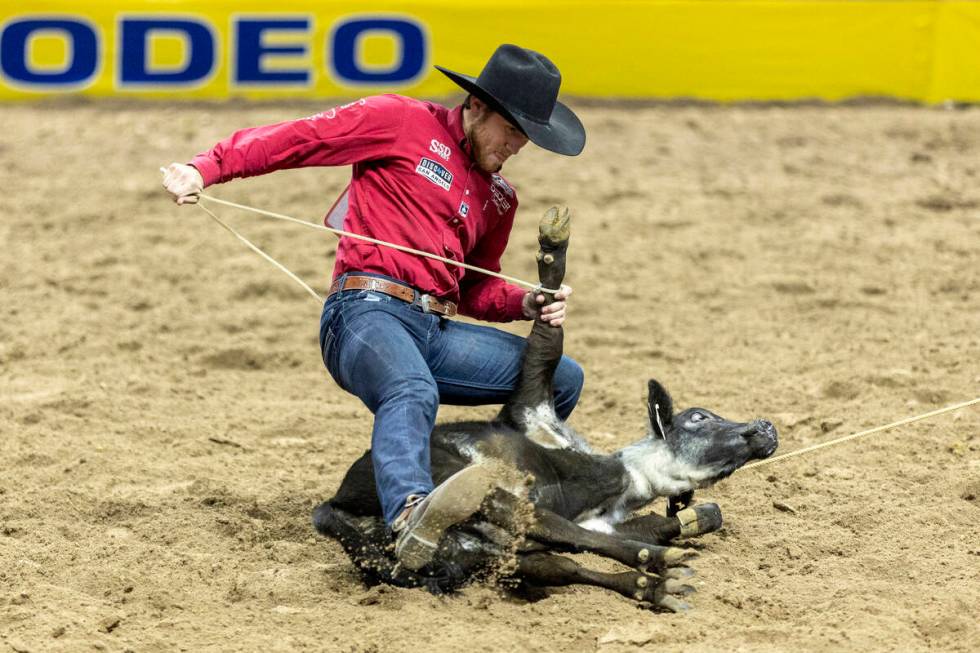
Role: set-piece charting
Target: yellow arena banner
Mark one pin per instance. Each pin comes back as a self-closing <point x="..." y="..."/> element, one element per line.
<point x="721" y="50"/>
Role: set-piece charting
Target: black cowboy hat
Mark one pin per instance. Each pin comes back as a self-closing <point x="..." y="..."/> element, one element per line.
<point x="522" y="85"/>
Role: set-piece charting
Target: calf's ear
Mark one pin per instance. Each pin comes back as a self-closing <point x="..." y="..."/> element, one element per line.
<point x="660" y="408"/>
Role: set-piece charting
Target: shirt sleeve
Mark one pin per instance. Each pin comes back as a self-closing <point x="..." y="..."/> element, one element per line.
<point x="490" y="298"/>
<point x="364" y="130"/>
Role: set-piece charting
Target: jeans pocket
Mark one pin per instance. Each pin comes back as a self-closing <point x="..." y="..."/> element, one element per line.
<point x="336" y="339"/>
<point x="326" y="329"/>
<point x="331" y="328"/>
<point x="326" y="342"/>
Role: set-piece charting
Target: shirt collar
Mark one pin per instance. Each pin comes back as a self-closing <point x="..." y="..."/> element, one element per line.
<point x="455" y="125"/>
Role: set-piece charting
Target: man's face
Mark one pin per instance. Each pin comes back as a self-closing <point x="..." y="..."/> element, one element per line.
<point x="493" y="137"/>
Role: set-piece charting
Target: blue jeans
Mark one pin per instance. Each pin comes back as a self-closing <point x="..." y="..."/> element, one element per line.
<point x="402" y="363"/>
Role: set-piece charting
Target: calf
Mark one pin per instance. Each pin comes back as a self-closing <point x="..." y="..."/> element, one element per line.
<point x="552" y="492"/>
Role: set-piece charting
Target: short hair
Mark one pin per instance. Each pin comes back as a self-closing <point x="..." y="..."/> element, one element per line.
<point x="495" y="107"/>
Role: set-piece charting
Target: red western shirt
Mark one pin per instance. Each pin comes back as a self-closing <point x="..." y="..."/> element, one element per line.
<point x="414" y="183"/>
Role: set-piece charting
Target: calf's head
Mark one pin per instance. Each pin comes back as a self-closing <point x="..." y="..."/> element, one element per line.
<point x="704" y="446"/>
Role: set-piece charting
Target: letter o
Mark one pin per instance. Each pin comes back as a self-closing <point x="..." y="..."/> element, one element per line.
<point x="84" y="52"/>
<point x="344" y="51"/>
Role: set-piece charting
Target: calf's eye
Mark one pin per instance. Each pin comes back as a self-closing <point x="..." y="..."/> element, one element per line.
<point x="697" y="417"/>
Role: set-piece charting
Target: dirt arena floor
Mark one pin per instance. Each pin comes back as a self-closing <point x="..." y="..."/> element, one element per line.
<point x="167" y="424"/>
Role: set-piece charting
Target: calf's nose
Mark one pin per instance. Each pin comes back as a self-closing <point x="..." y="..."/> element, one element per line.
<point x="766" y="428"/>
<point x="768" y="443"/>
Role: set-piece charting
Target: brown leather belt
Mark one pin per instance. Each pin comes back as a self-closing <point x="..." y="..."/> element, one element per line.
<point x="396" y="290"/>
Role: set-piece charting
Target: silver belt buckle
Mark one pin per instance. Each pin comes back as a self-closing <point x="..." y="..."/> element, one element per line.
<point x="424" y="302"/>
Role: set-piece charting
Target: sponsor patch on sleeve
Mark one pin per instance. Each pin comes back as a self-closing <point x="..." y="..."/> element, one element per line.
<point x="499" y="200"/>
<point x="435" y="172"/>
<point x="503" y="185"/>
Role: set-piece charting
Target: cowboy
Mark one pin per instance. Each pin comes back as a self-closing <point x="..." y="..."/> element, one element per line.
<point x="426" y="177"/>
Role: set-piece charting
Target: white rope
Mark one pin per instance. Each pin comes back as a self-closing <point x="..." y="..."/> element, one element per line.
<point x="537" y="287"/>
<point x="907" y="420"/>
<point x="258" y="251"/>
<point x="401" y="248"/>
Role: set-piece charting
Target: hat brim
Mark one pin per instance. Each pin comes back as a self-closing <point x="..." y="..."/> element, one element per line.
<point x="563" y="133"/>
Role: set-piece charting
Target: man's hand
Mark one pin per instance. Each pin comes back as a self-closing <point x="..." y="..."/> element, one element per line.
<point x="184" y="182"/>
<point x="554" y="313"/>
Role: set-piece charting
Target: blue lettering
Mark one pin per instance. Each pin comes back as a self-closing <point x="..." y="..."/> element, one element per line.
<point x="407" y="68"/>
<point x="251" y="50"/>
<point x="134" y="65"/>
<point x="82" y="62"/>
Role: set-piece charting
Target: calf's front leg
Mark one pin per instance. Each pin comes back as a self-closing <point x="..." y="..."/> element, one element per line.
<point x="542" y="525"/>
<point x="689" y="522"/>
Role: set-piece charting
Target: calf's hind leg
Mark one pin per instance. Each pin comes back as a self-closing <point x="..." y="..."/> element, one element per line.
<point x="544" y="343"/>
<point x="551" y="570"/>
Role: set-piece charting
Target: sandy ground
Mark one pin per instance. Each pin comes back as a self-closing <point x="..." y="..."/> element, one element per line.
<point x="167" y="424"/>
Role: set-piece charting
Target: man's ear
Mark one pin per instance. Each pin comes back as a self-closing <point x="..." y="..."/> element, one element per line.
<point x="660" y="408"/>
<point x="478" y="107"/>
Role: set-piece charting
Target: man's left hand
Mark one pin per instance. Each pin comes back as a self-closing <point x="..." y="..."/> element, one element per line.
<point x="553" y="314"/>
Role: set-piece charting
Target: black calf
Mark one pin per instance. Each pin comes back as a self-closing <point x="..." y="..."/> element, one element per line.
<point x="554" y="493"/>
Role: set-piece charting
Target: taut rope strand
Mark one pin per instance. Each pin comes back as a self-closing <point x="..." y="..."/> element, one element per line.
<point x="907" y="420"/>
<point x="258" y="251"/>
<point x="401" y="248"/>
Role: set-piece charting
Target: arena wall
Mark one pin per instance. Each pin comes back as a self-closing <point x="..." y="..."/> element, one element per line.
<point x="705" y="49"/>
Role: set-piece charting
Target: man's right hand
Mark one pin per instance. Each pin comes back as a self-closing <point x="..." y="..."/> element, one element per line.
<point x="184" y="182"/>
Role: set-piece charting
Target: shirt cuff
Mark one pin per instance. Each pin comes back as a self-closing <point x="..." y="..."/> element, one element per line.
<point x="515" y="303"/>
<point x="209" y="170"/>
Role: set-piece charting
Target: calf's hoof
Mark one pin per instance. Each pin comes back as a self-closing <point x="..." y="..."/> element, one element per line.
<point x="668" y="595"/>
<point x="555" y="225"/>
<point x="658" y="559"/>
<point x="700" y="519"/>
